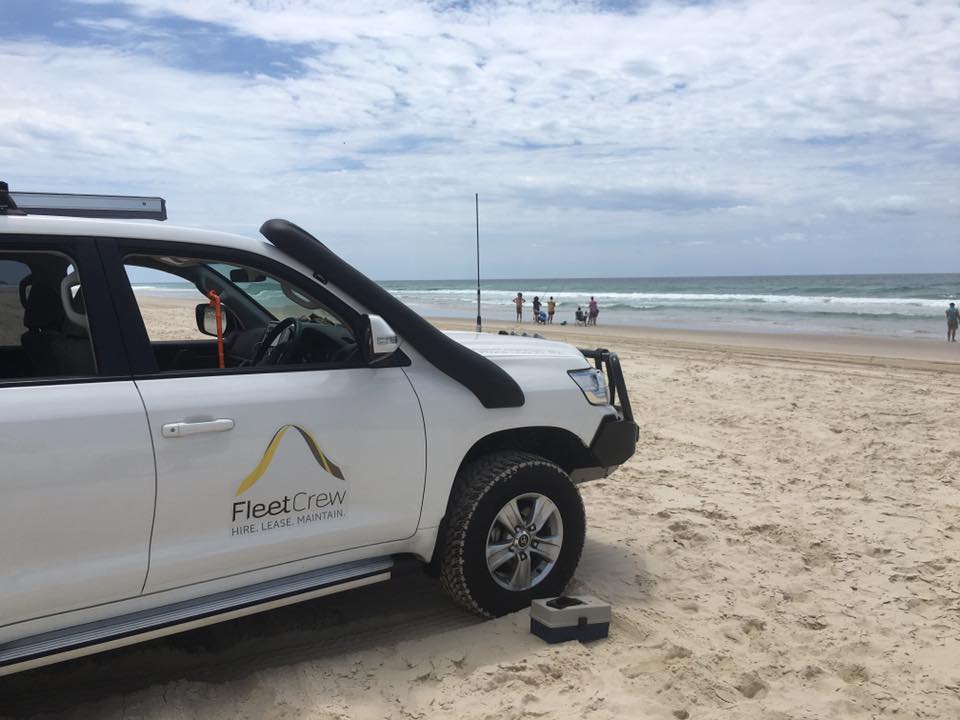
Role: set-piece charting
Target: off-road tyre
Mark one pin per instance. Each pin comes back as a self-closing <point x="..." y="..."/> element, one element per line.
<point x="481" y="489"/>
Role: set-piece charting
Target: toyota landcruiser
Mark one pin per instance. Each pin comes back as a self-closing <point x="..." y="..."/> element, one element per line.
<point x="293" y="432"/>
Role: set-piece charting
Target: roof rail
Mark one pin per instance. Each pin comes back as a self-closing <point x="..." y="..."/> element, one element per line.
<point x="90" y="206"/>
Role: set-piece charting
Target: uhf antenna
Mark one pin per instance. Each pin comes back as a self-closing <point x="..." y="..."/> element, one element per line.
<point x="476" y="198"/>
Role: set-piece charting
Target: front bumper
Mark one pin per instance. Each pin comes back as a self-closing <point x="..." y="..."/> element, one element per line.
<point x="617" y="436"/>
<point x="615" y="441"/>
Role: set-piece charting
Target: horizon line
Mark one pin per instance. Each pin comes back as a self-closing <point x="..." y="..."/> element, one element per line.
<point x="658" y="277"/>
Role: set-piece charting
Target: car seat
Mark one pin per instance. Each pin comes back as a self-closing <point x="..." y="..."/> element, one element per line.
<point x="54" y="345"/>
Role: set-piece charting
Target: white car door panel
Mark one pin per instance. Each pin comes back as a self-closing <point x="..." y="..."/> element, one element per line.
<point x="258" y="469"/>
<point x="76" y="497"/>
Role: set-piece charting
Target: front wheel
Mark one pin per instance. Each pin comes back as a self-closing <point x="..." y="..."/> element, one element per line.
<point x="514" y="533"/>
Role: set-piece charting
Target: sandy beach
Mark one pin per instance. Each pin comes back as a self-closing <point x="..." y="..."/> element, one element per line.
<point x="783" y="545"/>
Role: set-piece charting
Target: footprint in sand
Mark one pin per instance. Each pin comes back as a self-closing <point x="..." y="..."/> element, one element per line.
<point x="683" y="533"/>
<point x="812" y="623"/>
<point x="854" y="674"/>
<point x="635" y="670"/>
<point x="672" y="653"/>
<point x="676" y="652"/>
<point x="751" y="686"/>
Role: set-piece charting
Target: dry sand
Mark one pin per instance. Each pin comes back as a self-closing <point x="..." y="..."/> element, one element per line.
<point x="784" y="544"/>
<point x="171" y="318"/>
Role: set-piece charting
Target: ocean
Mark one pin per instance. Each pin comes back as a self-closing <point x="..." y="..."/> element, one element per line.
<point x="903" y="306"/>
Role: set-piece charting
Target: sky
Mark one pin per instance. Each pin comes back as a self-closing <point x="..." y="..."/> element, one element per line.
<point x="609" y="138"/>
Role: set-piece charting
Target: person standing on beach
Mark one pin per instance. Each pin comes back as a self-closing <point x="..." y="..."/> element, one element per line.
<point x="592" y="311"/>
<point x="551" y="309"/>
<point x="519" y="301"/>
<point x="536" y="309"/>
<point x="953" y="320"/>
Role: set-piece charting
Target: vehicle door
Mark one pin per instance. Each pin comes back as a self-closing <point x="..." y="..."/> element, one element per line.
<point x="271" y="460"/>
<point x="77" y="476"/>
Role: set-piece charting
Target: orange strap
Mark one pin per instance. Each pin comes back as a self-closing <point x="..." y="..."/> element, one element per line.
<point x="215" y="301"/>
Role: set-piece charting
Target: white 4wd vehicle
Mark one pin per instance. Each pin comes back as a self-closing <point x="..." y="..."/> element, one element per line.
<point x="300" y="433"/>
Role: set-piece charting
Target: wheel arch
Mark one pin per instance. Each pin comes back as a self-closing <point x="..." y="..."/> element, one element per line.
<point x="556" y="444"/>
<point x="553" y="443"/>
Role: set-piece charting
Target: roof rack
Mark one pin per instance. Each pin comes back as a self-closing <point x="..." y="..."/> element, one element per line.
<point x="90" y="206"/>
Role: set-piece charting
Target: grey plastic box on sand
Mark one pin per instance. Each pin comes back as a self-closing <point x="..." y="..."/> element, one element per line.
<point x="580" y="617"/>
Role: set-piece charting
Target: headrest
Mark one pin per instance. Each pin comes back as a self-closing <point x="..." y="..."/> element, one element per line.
<point x="73" y="329"/>
<point x="73" y="305"/>
<point x="77" y="302"/>
<point x="43" y="309"/>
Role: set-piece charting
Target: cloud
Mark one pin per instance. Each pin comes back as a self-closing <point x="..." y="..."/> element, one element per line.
<point x="617" y="124"/>
<point x="892" y="204"/>
<point x="628" y="200"/>
<point x="899" y="205"/>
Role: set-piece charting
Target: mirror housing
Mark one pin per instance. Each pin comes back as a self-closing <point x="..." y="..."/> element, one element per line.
<point x="207" y="320"/>
<point x="381" y="339"/>
<point x="246" y="275"/>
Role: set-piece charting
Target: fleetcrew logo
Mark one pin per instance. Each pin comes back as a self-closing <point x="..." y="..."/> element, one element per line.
<point x="300" y="508"/>
<point x="271" y="450"/>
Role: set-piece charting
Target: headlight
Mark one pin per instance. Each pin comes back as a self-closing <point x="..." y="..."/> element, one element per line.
<point x="594" y="385"/>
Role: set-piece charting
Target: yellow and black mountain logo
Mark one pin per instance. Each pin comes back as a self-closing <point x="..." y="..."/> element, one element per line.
<point x="318" y="455"/>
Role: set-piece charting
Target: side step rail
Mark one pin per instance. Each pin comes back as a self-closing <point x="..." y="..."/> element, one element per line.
<point x="179" y="617"/>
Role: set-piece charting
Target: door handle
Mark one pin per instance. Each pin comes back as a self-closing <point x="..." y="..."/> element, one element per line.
<point x="182" y="429"/>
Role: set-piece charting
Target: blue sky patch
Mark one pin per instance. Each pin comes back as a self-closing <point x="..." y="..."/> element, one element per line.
<point x="401" y="144"/>
<point x="174" y="41"/>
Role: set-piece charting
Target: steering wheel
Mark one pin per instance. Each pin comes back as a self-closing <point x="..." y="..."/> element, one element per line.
<point x="279" y="343"/>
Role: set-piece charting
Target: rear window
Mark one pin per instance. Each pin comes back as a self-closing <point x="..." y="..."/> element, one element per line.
<point x="12" y="273"/>
<point x="43" y="321"/>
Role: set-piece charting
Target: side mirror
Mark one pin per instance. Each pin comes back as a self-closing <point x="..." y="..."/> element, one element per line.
<point x="382" y="340"/>
<point x="207" y="319"/>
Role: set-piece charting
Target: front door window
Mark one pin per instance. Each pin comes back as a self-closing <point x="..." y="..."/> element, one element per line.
<point x="265" y="321"/>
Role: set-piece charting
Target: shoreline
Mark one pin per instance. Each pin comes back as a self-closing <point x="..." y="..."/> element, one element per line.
<point x="170" y="317"/>
<point x="874" y="350"/>
<point x="173" y="317"/>
<point x="613" y="322"/>
<point x="924" y="332"/>
<point x="894" y="305"/>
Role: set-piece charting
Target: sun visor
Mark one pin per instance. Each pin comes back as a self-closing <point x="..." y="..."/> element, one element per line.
<point x="490" y="383"/>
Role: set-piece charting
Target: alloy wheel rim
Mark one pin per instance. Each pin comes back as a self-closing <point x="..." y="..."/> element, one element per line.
<point x="524" y="542"/>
